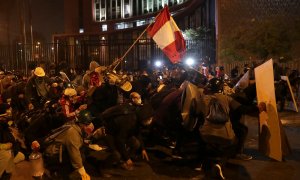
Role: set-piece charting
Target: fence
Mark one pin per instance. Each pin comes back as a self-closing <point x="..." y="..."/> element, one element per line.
<point x="292" y="65"/>
<point x="23" y="57"/>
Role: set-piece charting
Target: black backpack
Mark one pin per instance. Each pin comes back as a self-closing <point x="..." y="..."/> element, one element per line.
<point x="217" y="114"/>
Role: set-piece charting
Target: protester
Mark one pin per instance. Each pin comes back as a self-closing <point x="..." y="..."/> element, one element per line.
<point x="123" y="129"/>
<point x="72" y="140"/>
<point x="123" y="120"/>
<point x="217" y="151"/>
<point x="68" y="103"/>
<point x="7" y="142"/>
<point x="234" y="72"/>
<point x="37" y="88"/>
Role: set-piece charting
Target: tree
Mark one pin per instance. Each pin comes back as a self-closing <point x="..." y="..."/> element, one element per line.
<point x="199" y="33"/>
<point x="270" y="37"/>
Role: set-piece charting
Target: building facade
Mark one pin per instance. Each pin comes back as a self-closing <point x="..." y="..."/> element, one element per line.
<point x="103" y="30"/>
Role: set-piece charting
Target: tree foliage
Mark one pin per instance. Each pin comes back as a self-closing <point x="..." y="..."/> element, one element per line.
<point x="261" y="39"/>
<point x="199" y="33"/>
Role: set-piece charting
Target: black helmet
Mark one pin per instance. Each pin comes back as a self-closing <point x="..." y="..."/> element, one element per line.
<point x="215" y="85"/>
<point x="85" y="117"/>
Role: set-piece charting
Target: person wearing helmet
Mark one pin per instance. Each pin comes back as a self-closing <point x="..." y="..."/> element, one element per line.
<point x="69" y="104"/>
<point x="72" y="139"/>
<point x="86" y="80"/>
<point x="37" y="88"/>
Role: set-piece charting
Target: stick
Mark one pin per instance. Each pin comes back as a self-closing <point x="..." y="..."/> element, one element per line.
<point x="119" y="60"/>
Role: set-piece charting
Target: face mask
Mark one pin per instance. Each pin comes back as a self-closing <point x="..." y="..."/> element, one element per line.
<point x="73" y="100"/>
<point x="148" y="121"/>
<point x="88" y="129"/>
<point x="137" y="101"/>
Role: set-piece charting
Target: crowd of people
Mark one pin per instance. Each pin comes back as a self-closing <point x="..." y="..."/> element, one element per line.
<point x="101" y="109"/>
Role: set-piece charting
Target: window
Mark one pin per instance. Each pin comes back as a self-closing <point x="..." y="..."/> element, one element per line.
<point x="104" y="27"/>
<point x="150" y="6"/>
<point x="103" y="11"/>
<point x="128" y="25"/>
<point x="145" y="6"/>
<point x="120" y="25"/>
<point x="113" y="9"/>
<point x="123" y="25"/>
<point x="127" y="9"/>
<point x="97" y="10"/>
<point x="160" y="4"/>
<point x="164" y="2"/>
<point x="118" y="10"/>
<point x="108" y="12"/>
<point x="140" y="22"/>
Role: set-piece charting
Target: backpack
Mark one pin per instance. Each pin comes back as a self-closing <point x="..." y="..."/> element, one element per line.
<point x="53" y="150"/>
<point x="217" y="114"/>
<point x="217" y="128"/>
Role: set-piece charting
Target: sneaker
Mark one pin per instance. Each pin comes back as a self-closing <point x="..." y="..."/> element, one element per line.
<point x="126" y="167"/>
<point x="217" y="172"/>
<point x="174" y="156"/>
<point x="198" y="168"/>
<point x="244" y="157"/>
<point x="106" y="175"/>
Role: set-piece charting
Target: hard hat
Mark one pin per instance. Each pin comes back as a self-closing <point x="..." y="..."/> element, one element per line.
<point x="85" y="117"/>
<point x="126" y="86"/>
<point x="39" y="72"/>
<point x="70" y="92"/>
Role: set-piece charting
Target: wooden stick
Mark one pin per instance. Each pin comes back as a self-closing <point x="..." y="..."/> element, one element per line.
<point x="120" y="59"/>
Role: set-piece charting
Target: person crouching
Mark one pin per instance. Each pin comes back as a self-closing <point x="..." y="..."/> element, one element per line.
<point x="70" y="142"/>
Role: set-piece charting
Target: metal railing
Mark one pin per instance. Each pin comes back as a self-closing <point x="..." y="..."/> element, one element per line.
<point x="22" y="57"/>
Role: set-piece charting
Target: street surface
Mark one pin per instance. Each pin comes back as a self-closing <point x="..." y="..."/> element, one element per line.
<point x="162" y="166"/>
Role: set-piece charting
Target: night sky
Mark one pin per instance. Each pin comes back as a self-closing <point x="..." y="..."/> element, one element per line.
<point x="47" y="19"/>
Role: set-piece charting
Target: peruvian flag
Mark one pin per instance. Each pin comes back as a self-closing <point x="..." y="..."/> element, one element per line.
<point x="167" y="36"/>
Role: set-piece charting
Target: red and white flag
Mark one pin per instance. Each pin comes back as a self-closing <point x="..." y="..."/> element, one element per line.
<point x="167" y="36"/>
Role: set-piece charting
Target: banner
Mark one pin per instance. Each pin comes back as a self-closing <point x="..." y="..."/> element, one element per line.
<point x="264" y="78"/>
<point x="243" y="82"/>
<point x="286" y="78"/>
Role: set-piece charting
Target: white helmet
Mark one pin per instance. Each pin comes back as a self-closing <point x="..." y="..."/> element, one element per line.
<point x="70" y="92"/>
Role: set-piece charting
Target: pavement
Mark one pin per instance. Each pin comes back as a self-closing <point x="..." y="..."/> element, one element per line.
<point x="161" y="166"/>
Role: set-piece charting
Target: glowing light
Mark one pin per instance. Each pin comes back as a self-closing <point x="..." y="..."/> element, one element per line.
<point x="190" y="61"/>
<point x="158" y="63"/>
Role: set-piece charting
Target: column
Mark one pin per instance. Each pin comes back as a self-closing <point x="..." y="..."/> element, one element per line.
<point x="131" y="7"/>
<point x="142" y="6"/>
<point x="122" y="8"/>
<point x="100" y="10"/>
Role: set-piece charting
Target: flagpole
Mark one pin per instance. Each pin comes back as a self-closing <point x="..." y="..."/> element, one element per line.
<point x="118" y="61"/>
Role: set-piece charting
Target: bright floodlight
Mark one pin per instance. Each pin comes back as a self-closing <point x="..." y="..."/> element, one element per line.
<point x="190" y="61"/>
<point x="158" y="63"/>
